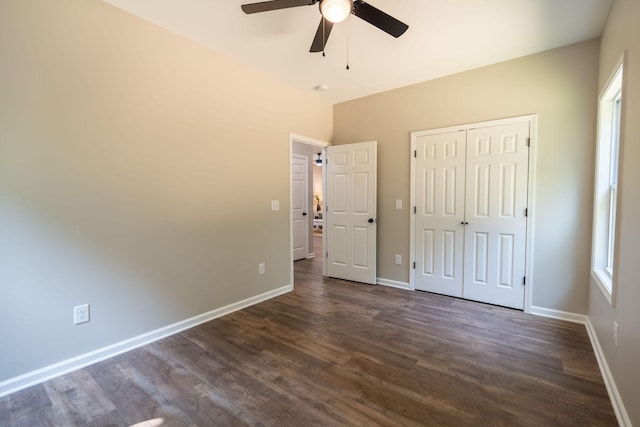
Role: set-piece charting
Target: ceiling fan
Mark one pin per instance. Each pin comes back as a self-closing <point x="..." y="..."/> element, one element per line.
<point x="333" y="12"/>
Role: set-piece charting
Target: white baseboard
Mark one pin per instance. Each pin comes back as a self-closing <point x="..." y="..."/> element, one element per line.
<point x="392" y="283"/>
<point x="49" y="372"/>
<point x="557" y="314"/>
<point x="612" y="389"/>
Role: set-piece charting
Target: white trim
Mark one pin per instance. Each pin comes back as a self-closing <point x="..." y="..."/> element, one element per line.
<point x="531" y="209"/>
<point x="610" y="384"/>
<point x="393" y="283"/>
<point x="38" y="376"/>
<point x="311" y="255"/>
<point x="606" y="291"/>
<point x="531" y="191"/>
<point x="560" y="315"/>
<point x="612" y="389"/>
<point x="609" y="292"/>
<point x="412" y="220"/>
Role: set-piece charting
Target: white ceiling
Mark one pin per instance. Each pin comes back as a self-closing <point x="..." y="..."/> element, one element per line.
<point x="444" y="37"/>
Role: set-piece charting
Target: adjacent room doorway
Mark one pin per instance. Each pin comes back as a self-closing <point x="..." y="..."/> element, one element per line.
<point x="303" y="153"/>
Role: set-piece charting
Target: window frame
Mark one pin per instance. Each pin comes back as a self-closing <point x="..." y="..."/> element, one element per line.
<point x="607" y="174"/>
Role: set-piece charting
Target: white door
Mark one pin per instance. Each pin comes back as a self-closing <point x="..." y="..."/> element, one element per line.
<point x="439" y="216"/>
<point x="350" y="211"/>
<point x="496" y="226"/>
<point x="300" y="206"/>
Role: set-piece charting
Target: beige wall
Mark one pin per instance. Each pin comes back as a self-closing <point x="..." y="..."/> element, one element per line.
<point x="623" y="32"/>
<point x="559" y="87"/>
<point x="129" y="178"/>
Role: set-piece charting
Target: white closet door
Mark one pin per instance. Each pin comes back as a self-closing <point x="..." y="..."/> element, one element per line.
<point x="440" y="181"/>
<point x="496" y="199"/>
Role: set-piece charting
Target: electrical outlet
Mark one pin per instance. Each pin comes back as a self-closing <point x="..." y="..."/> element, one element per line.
<point x="615" y="333"/>
<point x="261" y="268"/>
<point x="81" y="314"/>
<point x="398" y="259"/>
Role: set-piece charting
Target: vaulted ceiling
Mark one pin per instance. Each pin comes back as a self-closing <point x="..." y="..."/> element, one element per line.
<point x="444" y="37"/>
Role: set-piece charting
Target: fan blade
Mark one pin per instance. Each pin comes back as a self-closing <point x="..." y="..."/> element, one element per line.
<point x="266" y="6"/>
<point x="379" y="19"/>
<point x="322" y="35"/>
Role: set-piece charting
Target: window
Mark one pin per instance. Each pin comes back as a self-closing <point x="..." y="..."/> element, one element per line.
<point x="606" y="185"/>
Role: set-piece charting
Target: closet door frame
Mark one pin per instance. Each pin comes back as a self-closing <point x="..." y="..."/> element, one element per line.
<point x="533" y="135"/>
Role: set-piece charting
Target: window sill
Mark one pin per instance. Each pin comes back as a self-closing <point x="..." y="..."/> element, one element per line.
<point x="603" y="280"/>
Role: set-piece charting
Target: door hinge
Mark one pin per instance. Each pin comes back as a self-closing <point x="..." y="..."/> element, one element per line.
<point x="526" y="211"/>
<point x="415" y="209"/>
<point x="524" y="280"/>
<point x="326" y="254"/>
<point x="414" y="265"/>
<point x="415" y="153"/>
<point x="528" y="142"/>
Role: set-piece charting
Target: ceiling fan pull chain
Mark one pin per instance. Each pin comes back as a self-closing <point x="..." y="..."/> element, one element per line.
<point x="347" y="52"/>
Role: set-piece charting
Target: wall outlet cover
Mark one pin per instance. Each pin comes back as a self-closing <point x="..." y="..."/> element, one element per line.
<point x="81" y="314"/>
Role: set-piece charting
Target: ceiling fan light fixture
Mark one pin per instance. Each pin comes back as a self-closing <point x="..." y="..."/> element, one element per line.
<point x="336" y="10"/>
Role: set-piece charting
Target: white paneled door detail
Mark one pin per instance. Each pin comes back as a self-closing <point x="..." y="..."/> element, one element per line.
<point x="440" y="176"/>
<point x="470" y="222"/>
<point x="300" y="206"/>
<point x="496" y="229"/>
<point x="351" y="212"/>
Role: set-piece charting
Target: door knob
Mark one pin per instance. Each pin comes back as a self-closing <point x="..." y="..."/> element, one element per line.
<point x="371" y="220"/>
<point x="304" y="214"/>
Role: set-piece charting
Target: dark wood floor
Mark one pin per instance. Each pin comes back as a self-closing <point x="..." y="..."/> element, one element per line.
<point x="339" y="353"/>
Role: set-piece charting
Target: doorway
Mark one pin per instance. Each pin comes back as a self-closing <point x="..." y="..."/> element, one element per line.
<point x="307" y="227"/>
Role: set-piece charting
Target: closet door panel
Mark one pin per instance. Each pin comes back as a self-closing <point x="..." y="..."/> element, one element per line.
<point x="440" y="180"/>
<point x="496" y="228"/>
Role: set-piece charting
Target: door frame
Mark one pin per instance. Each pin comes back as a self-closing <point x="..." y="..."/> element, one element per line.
<point x="531" y="186"/>
<point x="315" y="143"/>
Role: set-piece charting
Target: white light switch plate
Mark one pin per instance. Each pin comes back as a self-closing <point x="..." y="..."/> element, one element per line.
<point x="275" y="205"/>
<point x="399" y="204"/>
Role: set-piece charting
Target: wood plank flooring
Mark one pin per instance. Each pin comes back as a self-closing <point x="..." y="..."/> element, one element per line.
<point x="339" y="353"/>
